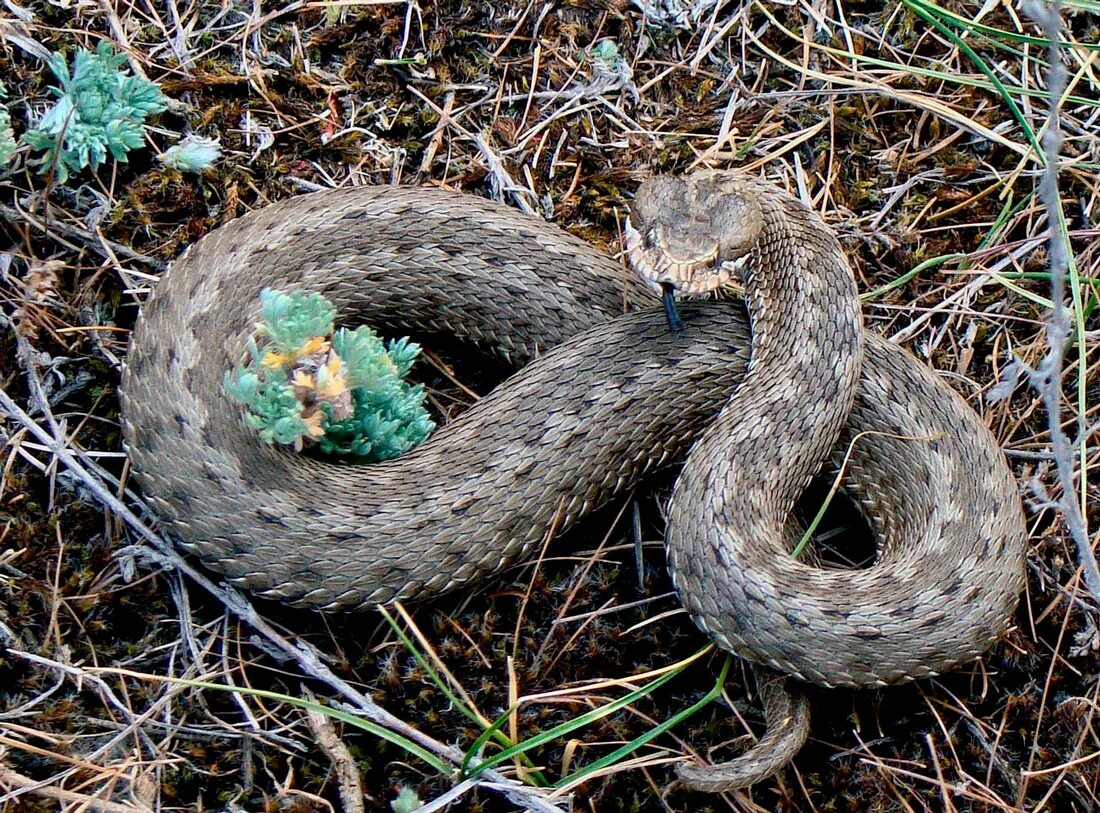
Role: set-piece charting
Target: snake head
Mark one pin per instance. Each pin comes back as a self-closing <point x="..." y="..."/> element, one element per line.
<point x="690" y="235"/>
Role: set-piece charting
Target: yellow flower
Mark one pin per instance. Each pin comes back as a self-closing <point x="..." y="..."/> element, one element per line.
<point x="331" y="381"/>
<point x="273" y="360"/>
<point x="318" y="344"/>
<point x="313" y="424"/>
<point x="302" y="380"/>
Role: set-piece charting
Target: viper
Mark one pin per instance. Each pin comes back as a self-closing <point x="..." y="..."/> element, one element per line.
<point x="758" y="397"/>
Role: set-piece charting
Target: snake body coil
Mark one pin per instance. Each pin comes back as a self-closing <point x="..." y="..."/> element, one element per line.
<point x="616" y="397"/>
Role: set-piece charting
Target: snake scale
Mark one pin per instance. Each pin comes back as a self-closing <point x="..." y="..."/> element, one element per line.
<point x="758" y="397"/>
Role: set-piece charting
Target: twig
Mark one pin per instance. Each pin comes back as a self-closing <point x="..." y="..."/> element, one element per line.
<point x="500" y="182"/>
<point x="1047" y="376"/>
<point x="348" y="781"/>
<point x="675" y="13"/>
<point x="119" y="31"/>
<point x="12" y="215"/>
<point x="12" y="780"/>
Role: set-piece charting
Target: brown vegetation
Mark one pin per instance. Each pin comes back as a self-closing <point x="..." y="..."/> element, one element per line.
<point x="882" y="122"/>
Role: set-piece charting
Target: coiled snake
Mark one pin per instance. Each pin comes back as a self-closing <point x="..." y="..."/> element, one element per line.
<point x="760" y="408"/>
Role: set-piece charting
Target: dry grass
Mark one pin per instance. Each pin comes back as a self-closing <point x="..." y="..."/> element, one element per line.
<point x="918" y="144"/>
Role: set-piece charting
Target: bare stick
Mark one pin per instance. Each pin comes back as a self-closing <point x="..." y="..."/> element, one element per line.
<point x="1047" y="376"/>
<point x="348" y="780"/>
<point x="10" y="215"/>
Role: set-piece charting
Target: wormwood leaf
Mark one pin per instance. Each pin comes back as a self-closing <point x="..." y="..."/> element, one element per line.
<point x="407" y="801"/>
<point x="365" y="356"/>
<point x="404" y="353"/>
<point x="274" y="411"/>
<point x="99" y="110"/>
<point x="193" y="154"/>
<point x="345" y="394"/>
<point x="291" y="320"/>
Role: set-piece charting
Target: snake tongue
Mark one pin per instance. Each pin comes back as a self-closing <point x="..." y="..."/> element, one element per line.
<point x="668" y="299"/>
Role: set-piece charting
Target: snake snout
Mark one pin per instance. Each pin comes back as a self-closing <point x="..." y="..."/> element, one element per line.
<point x="688" y="265"/>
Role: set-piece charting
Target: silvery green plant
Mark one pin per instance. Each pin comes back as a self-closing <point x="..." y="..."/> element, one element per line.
<point x="343" y="392"/>
<point x="407" y="801"/>
<point x="193" y="154"/>
<point x="100" y="110"/>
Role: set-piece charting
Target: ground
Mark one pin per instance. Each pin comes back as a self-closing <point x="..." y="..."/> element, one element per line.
<point x="912" y="128"/>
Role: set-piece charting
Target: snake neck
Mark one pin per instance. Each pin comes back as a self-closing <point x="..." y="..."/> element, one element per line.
<point x="807" y="343"/>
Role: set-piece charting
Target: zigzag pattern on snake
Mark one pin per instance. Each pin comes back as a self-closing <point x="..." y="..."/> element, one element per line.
<point x="757" y="403"/>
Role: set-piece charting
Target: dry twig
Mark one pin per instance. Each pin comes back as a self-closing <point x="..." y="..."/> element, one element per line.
<point x="1047" y="376"/>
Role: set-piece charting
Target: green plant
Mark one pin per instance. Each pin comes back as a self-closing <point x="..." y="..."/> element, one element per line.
<point x="343" y="392"/>
<point x="99" y="110"/>
<point x="193" y="154"/>
<point x="407" y="801"/>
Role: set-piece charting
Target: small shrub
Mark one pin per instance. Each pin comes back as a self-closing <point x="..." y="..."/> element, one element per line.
<point x="343" y="392"/>
<point x="407" y="801"/>
<point x="99" y="110"/>
<point x="193" y="154"/>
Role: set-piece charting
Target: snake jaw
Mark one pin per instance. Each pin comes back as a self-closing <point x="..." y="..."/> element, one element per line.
<point x="734" y="271"/>
<point x="667" y="272"/>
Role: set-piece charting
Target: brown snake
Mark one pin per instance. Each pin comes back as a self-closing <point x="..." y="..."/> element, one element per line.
<point x="617" y="397"/>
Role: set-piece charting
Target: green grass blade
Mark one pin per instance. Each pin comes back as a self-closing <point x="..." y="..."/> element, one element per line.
<point x="638" y="742"/>
<point x="583" y="720"/>
<point x="932" y="262"/>
<point x="979" y="63"/>
<point x="993" y="34"/>
<point x="426" y="665"/>
<point x="493" y="731"/>
<point x="926" y="73"/>
<point x="402" y="742"/>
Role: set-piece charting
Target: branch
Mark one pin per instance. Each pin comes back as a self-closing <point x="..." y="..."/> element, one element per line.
<point x="95" y="242"/>
<point x="1047" y="376"/>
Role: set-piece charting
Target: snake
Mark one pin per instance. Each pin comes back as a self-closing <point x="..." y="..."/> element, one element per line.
<point x="754" y="395"/>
